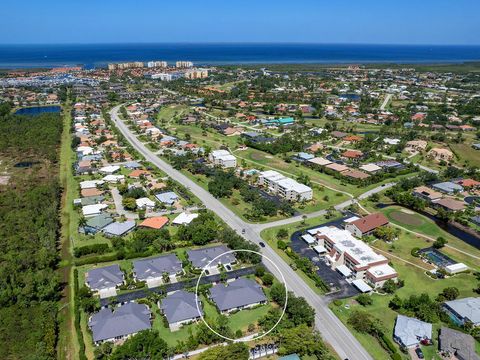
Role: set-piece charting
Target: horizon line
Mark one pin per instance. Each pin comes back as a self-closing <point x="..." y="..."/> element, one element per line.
<point x="234" y="43"/>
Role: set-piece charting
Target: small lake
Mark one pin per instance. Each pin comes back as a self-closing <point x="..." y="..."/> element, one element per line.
<point x="37" y="110"/>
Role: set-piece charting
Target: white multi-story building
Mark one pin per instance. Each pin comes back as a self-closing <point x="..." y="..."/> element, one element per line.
<point x="352" y="257"/>
<point x="183" y="64"/>
<point x="222" y="158"/>
<point x="166" y="76"/>
<point x="285" y="187"/>
<point x="154" y="64"/>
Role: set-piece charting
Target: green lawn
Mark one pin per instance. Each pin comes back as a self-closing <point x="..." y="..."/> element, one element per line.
<point x="429" y="228"/>
<point x="416" y="282"/>
<point x="241" y="319"/>
<point x="466" y="154"/>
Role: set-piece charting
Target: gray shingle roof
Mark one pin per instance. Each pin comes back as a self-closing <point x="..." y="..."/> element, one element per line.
<point x="119" y="228"/>
<point x="125" y="320"/>
<point x="156" y="267"/>
<point x="104" y="277"/>
<point x="201" y="257"/>
<point x="238" y="293"/>
<point x="456" y="342"/>
<point x="180" y="306"/>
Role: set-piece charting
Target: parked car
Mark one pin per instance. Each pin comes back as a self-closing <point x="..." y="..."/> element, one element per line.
<point x="419" y="353"/>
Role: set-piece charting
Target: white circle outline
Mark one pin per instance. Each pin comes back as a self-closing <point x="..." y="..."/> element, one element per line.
<point x="226" y="337"/>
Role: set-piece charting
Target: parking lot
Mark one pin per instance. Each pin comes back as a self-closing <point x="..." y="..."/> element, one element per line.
<point x="340" y="287"/>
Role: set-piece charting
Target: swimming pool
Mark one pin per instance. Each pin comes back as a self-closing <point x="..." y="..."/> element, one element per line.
<point x="436" y="257"/>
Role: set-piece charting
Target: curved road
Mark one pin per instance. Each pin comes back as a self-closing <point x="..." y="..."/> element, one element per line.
<point x="331" y="328"/>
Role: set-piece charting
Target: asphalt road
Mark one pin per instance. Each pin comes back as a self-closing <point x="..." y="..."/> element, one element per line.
<point x="331" y="328"/>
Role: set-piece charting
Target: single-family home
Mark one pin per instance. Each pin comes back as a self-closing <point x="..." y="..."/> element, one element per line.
<point x="454" y="344"/>
<point x="237" y="295"/>
<point x="156" y="222"/>
<point x="119" y="228"/>
<point x="204" y="258"/>
<point x="95" y="223"/>
<point x="145" y="203"/>
<point x="93" y="210"/>
<point x="449" y="204"/>
<point x="415" y="146"/>
<point x="409" y="332"/>
<point x="184" y="218"/>
<point x="120" y="323"/>
<point x="158" y="270"/>
<point x="448" y="187"/>
<point x="464" y="310"/>
<point x="167" y="197"/>
<point x="180" y="308"/>
<point x="439" y="154"/>
<point x="105" y="280"/>
<point x="426" y="193"/>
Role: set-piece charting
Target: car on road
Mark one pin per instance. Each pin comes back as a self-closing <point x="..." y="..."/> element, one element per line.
<point x="261" y="243"/>
<point x="243" y="231"/>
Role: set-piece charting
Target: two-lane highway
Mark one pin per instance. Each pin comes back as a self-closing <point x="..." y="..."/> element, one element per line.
<point x="331" y="328"/>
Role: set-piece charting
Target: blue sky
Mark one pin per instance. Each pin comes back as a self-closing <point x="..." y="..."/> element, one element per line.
<point x="317" y="21"/>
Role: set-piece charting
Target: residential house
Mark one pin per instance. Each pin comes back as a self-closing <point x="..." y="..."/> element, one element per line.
<point x="119" y="228"/>
<point x="469" y="183"/>
<point x="415" y="146"/>
<point x="158" y="270"/>
<point x="426" y="193"/>
<point x="454" y="344"/>
<point x="210" y="258"/>
<point x="109" y="325"/>
<point x="448" y="187"/>
<point x="168" y="197"/>
<point x="95" y="224"/>
<point x="93" y="210"/>
<point x="184" y="218"/>
<point x="145" y="203"/>
<point x="104" y="280"/>
<point x="439" y="154"/>
<point x="180" y="308"/>
<point x="237" y="295"/>
<point x="464" y="310"/>
<point x="156" y="222"/>
<point x="337" y="167"/>
<point x="409" y="332"/>
<point x="450" y="204"/>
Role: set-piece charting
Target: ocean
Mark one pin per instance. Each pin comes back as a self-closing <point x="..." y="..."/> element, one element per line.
<point x="97" y="55"/>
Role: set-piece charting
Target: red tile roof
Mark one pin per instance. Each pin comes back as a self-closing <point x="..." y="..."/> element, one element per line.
<point x="370" y="222"/>
<point x="155" y="222"/>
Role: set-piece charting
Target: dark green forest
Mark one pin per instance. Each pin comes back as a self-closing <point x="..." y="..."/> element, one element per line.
<point x="29" y="203"/>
